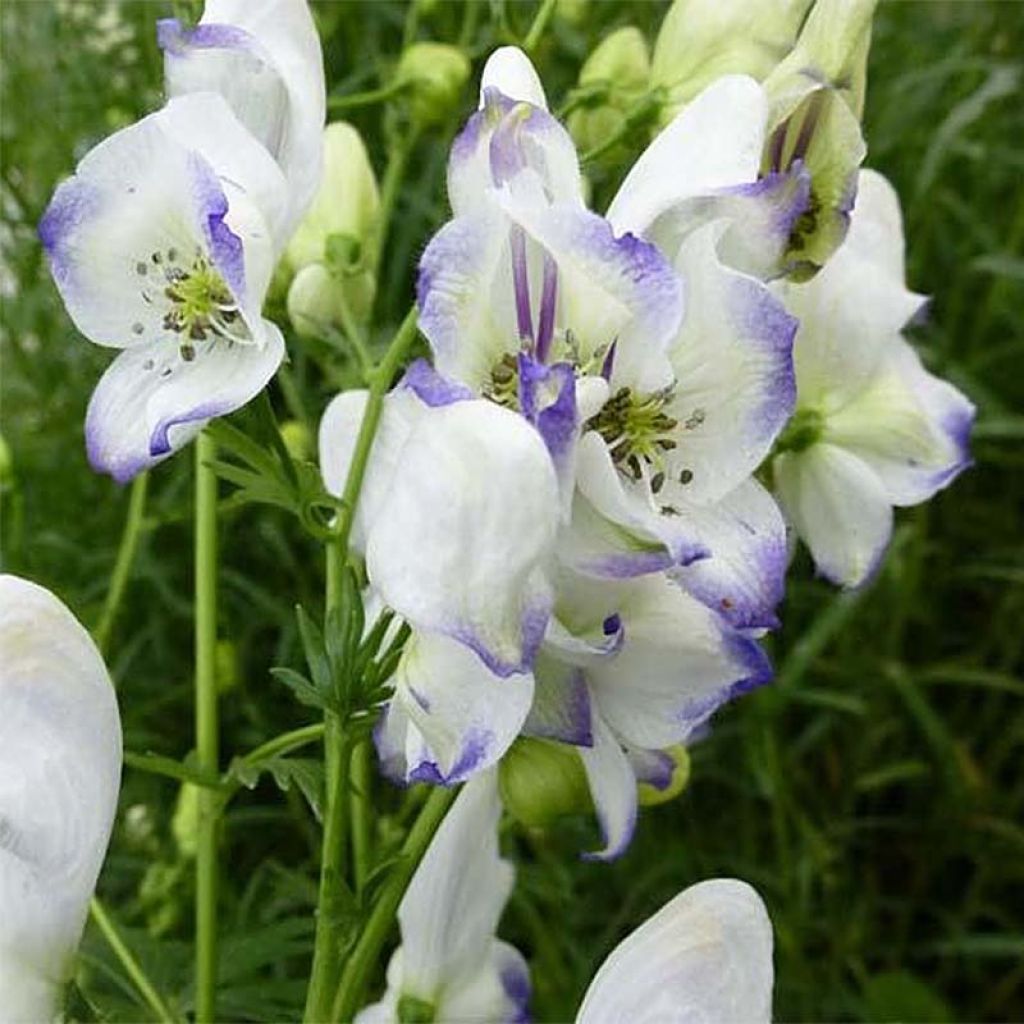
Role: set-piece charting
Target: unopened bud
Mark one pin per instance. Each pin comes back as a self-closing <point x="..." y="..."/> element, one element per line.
<point x="617" y="74"/>
<point x="226" y="658"/>
<point x="316" y="295"/>
<point x="436" y="74"/>
<point x="650" y="795"/>
<point x="700" y="40"/>
<point x="185" y="823"/>
<point x="297" y="440"/>
<point x="6" y="465"/>
<point x="572" y="12"/>
<point x="347" y="203"/>
<point x="541" y="780"/>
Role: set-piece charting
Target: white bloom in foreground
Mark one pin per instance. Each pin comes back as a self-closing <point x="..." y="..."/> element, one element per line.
<point x="264" y="58"/>
<point x="456" y="517"/>
<point x="450" y="965"/>
<point x="60" y="771"/>
<point x="704" y="958"/>
<point x="162" y="245"/>
<point x="873" y="428"/>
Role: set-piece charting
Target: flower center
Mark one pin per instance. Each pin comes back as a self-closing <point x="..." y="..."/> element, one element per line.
<point x="637" y="431"/>
<point x="198" y="304"/>
<point x="803" y="430"/>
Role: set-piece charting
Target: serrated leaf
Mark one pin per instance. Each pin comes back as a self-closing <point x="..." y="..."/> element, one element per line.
<point x="315" y="652"/>
<point x="305" y="773"/>
<point x="305" y="692"/>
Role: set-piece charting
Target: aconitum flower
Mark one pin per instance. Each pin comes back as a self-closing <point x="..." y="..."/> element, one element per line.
<point x="450" y="966"/>
<point x="60" y="771"/>
<point x="162" y="245"/>
<point x="264" y="58"/>
<point x="873" y="428"/>
<point x="456" y="518"/>
<point x="704" y="958"/>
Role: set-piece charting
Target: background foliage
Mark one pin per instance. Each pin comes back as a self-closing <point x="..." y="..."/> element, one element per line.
<point x="873" y="794"/>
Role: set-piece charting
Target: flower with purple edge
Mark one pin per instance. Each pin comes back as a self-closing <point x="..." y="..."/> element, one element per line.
<point x="162" y="245"/>
<point x="873" y="428"/>
<point x="450" y="965"/>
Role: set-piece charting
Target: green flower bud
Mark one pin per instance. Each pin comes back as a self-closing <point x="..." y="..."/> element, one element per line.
<point x="297" y="439"/>
<point x="185" y="823"/>
<point x="6" y="465"/>
<point x="315" y="298"/>
<point x="616" y="74"/>
<point x="226" y="658"/>
<point x="541" y="780"/>
<point x="700" y="40"/>
<point x="436" y="74"/>
<point x="650" y="796"/>
<point x="572" y="12"/>
<point x="348" y="202"/>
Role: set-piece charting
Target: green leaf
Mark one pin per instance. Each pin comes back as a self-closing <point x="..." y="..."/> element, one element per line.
<point x="305" y="692"/>
<point x="902" y="996"/>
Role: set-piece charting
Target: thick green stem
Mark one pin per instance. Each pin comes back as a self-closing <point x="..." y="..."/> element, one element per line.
<point x="132" y="968"/>
<point x="207" y="730"/>
<point x="367" y="949"/>
<point x="540" y="23"/>
<point x="123" y="564"/>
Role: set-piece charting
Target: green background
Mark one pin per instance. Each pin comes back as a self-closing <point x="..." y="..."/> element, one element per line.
<point x="873" y="795"/>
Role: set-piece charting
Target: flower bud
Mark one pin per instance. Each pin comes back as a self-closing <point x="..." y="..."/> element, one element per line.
<point x="6" y="465"/>
<point x="701" y="40"/>
<point x="541" y="780"/>
<point x="185" y="823"/>
<point x="347" y="203"/>
<point x="621" y="64"/>
<point x="651" y="795"/>
<point x="297" y="439"/>
<point x="436" y="74"/>
<point x="226" y="658"/>
<point x="572" y="12"/>
<point x="315" y="298"/>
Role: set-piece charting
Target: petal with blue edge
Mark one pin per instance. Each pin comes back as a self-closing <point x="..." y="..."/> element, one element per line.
<point x="458" y="545"/>
<point x="151" y="402"/>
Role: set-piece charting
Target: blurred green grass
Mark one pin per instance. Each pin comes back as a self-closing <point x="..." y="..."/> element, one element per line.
<point x="873" y="794"/>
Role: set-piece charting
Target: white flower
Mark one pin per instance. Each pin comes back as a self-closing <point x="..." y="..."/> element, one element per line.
<point x="456" y="518"/>
<point x="60" y="771"/>
<point x="704" y="958"/>
<point x="264" y="58"/>
<point x="450" y="962"/>
<point x="873" y="428"/>
<point x="162" y="245"/>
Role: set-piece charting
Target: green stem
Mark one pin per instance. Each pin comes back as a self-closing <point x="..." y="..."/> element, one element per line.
<point x="540" y="22"/>
<point x="123" y="564"/>
<point x="362" y="781"/>
<point x="285" y="743"/>
<point x="394" y="173"/>
<point x="367" y="950"/>
<point x="132" y="966"/>
<point x="206" y="714"/>
<point x="365" y="99"/>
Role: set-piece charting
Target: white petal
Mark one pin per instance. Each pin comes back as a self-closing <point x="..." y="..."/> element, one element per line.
<point x="264" y="58"/>
<point x="450" y="911"/>
<point x="704" y="958"/>
<point x="876" y="224"/>
<point x="733" y="366"/>
<point x="613" y="788"/>
<point x="678" y="664"/>
<point x="450" y="716"/>
<point x="60" y="770"/>
<point x="150" y="402"/>
<point x="497" y="993"/>
<point x="339" y="430"/>
<point x="713" y="143"/>
<point x="910" y="427"/>
<point x="744" y="577"/>
<point x="140" y="207"/>
<point x="839" y="507"/>
<point x="510" y="71"/>
<point x="470" y="516"/>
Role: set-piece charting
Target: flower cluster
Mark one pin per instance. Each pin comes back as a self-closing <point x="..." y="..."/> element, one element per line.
<point x="581" y="510"/>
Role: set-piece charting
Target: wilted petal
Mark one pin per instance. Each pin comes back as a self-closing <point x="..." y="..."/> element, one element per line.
<point x="457" y="544"/>
<point x="60" y="769"/>
<point x="450" y="716"/>
<point x="839" y="507"/>
<point x="151" y="402"/>
<point x="679" y="663"/>
<point x="733" y="364"/>
<point x="704" y="958"/>
<point x="264" y="58"/>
